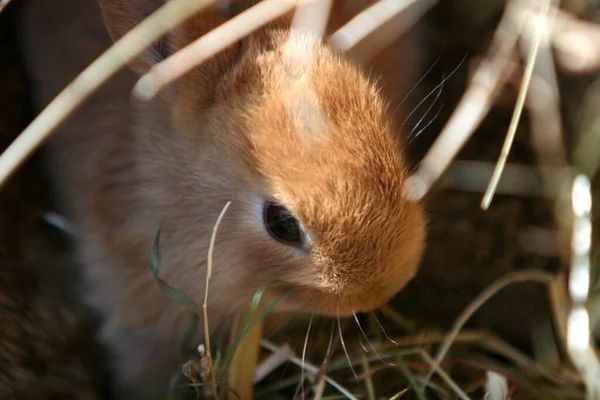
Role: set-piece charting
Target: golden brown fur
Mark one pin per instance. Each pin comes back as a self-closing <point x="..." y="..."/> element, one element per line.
<point x="256" y="122"/>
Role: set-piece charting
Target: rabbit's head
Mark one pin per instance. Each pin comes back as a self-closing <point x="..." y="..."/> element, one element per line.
<point x="302" y="144"/>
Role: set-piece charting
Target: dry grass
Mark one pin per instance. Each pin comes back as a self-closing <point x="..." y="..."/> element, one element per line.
<point x="392" y="357"/>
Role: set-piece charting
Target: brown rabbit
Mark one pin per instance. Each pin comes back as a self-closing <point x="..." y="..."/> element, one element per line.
<point x="306" y="152"/>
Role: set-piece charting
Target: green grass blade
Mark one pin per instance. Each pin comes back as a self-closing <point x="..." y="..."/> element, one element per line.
<point x="247" y="325"/>
<point x="176" y="295"/>
<point x="164" y="286"/>
<point x="253" y="306"/>
<point x="410" y="378"/>
<point x="399" y="394"/>
<point x="269" y="309"/>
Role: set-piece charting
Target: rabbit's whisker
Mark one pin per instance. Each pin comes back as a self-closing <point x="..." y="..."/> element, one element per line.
<point x="304" y="353"/>
<point x="412" y="134"/>
<point x="433" y="91"/>
<point x="344" y="345"/>
<point x="382" y="329"/>
<point x="368" y="341"/>
<point x="360" y="341"/>
<point x="416" y="135"/>
<point x="417" y="84"/>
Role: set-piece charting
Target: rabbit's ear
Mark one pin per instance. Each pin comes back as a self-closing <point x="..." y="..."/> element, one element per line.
<point x="121" y="16"/>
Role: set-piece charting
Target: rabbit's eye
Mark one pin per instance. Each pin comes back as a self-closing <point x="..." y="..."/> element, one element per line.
<point x="282" y="225"/>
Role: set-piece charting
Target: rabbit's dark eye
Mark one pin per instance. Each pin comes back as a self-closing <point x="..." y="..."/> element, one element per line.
<point x="281" y="225"/>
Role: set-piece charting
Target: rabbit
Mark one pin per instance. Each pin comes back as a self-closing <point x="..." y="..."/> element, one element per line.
<point x="307" y="153"/>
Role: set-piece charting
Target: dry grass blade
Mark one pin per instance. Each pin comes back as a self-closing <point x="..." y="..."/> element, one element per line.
<point x="319" y="389"/>
<point x="310" y="368"/>
<point x="312" y="16"/>
<point x="509" y="279"/>
<point x="496" y="386"/>
<point x="368" y="379"/>
<point x="544" y="97"/>
<point x="560" y="306"/>
<point x="3" y="4"/>
<point x="523" y="91"/>
<point x="523" y="361"/>
<point x="545" y="120"/>
<point x="474" y="105"/>
<point x="97" y="73"/>
<point x="320" y="386"/>
<point x="517" y="179"/>
<point x="435" y="366"/>
<point x="366" y="22"/>
<point x="209" y="268"/>
<point x="208" y="45"/>
<point x="577" y="43"/>
<point x="491" y="343"/>
<point x="399" y="394"/>
<point x="272" y="362"/>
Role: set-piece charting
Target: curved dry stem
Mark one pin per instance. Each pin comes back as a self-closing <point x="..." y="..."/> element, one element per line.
<point x="375" y="16"/>
<point x="310" y="368"/>
<point x="474" y="105"/>
<point x="209" y="267"/>
<point x="272" y="362"/>
<point x="576" y="43"/>
<point x="312" y="16"/>
<point x="509" y="279"/>
<point x="97" y="73"/>
<point x="435" y="366"/>
<point x="368" y="377"/>
<point x="3" y="4"/>
<point x="514" y="123"/>
<point x="200" y="50"/>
